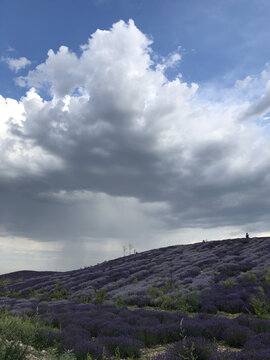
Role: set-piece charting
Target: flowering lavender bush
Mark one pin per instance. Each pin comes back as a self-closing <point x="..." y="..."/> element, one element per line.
<point x="190" y="348"/>
<point x="237" y="335"/>
<point x="128" y="347"/>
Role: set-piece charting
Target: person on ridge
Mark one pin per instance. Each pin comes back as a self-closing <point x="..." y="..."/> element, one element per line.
<point x="247" y="236"/>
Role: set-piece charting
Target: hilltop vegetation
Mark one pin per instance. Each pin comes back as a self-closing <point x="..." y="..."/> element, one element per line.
<point x="211" y="301"/>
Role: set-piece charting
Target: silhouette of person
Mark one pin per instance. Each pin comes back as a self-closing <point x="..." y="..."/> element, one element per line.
<point x="247" y="236"/>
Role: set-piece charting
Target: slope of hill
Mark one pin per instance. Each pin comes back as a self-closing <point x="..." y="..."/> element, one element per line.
<point x="199" y="282"/>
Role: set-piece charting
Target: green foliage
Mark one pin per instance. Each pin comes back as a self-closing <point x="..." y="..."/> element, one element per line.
<point x="12" y="350"/>
<point x="188" y="349"/>
<point x="153" y="292"/>
<point x="177" y="302"/>
<point x="193" y="301"/>
<point x="85" y="299"/>
<point x="188" y="353"/>
<point x="266" y="276"/>
<point x="229" y="284"/>
<point x="58" y="284"/>
<point x="33" y="294"/>
<point x="251" y="276"/>
<point x="150" y="338"/>
<point x="15" y="294"/>
<point x="27" y="330"/>
<point x="174" y="302"/>
<point x="5" y="291"/>
<point x="5" y="282"/>
<point x="100" y="296"/>
<point x="18" y="281"/>
<point x="18" y="334"/>
<point x="135" y="281"/>
<point x="261" y="306"/>
<point x="120" y="303"/>
<point x="236" y="337"/>
<point x="53" y="354"/>
<point x="117" y="353"/>
<point x="104" y="357"/>
<point x="182" y="331"/>
<point x="167" y="286"/>
<point x="59" y="293"/>
<point x="4" y="286"/>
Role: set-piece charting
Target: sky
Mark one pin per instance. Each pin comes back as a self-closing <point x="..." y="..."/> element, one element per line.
<point x="130" y="122"/>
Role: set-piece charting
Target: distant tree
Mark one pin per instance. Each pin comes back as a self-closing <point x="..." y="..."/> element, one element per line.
<point x="130" y="247"/>
<point x="124" y="250"/>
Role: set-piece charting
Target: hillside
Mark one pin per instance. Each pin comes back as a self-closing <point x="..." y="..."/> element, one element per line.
<point x="197" y="281"/>
<point x="231" y="270"/>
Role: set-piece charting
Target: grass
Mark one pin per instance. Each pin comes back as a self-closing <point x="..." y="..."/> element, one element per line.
<point x="23" y="337"/>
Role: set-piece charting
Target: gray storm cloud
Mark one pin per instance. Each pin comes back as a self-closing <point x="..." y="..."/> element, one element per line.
<point x="117" y="150"/>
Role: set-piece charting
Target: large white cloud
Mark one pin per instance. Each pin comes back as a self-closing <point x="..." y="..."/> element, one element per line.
<point x="113" y="125"/>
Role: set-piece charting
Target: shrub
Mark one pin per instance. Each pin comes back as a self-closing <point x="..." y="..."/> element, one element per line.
<point x="266" y="276"/>
<point x="12" y="350"/>
<point x="214" y="328"/>
<point x="260" y="326"/>
<point x="194" y="303"/>
<point x="263" y="354"/>
<point x="198" y="347"/>
<point x="153" y="292"/>
<point x="167" y="286"/>
<point x="85" y="348"/>
<point x="120" y="303"/>
<point x="236" y="335"/>
<point x="100" y="296"/>
<point x="84" y="299"/>
<point x="168" y="333"/>
<point x="174" y="302"/>
<point x="150" y="336"/>
<point x="128" y="347"/>
<point x="189" y="348"/>
<point x="229" y="284"/>
<point x="209" y="306"/>
<point x="18" y="333"/>
<point x="251" y="276"/>
<point x="258" y="342"/>
<point x="261" y="307"/>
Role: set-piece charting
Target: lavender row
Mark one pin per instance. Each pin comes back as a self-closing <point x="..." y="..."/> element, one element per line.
<point x="88" y="328"/>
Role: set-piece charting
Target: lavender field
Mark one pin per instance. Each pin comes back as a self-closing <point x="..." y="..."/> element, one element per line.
<point x="199" y="301"/>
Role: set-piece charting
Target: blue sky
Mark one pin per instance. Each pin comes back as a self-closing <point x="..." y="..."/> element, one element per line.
<point x="130" y="122"/>
<point x="220" y="40"/>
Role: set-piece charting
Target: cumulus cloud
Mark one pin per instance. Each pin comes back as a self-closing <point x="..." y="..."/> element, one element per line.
<point x="16" y="64"/>
<point x="258" y="108"/>
<point x="118" y="151"/>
